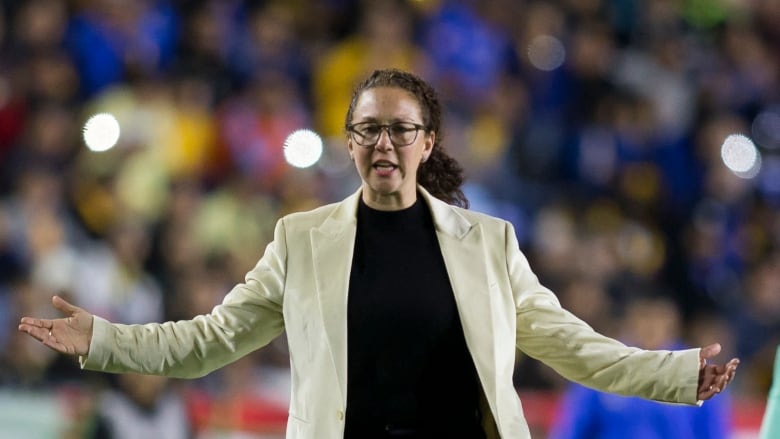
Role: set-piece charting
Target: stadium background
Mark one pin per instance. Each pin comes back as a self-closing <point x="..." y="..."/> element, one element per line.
<point x="596" y="127"/>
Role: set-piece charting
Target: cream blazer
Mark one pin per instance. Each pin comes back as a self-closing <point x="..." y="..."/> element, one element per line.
<point x="300" y="286"/>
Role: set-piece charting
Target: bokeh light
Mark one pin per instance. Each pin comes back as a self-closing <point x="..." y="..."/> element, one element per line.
<point x="546" y="53"/>
<point x="766" y="128"/>
<point x="741" y="156"/>
<point x="303" y="148"/>
<point x="101" y="132"/>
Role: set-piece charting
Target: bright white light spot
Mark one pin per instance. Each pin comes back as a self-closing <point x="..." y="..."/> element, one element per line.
<point x="302" y="148"/>
<point x="546" y="53"/>
<point x="740" y="155"/>
<point x="101" y="132"/>
<point x="753" y="171"/>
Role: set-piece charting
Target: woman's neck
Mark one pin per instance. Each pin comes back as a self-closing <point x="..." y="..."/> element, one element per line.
<point x="388" y="202"/>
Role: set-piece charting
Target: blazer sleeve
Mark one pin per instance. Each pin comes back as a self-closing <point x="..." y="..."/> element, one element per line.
<point x="554" y="336"/>
<point x="249" y="317"/>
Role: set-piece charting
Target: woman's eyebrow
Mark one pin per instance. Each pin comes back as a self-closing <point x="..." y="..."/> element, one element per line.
<point x="387" y="121"/>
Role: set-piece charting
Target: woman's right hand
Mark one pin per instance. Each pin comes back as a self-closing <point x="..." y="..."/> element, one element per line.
<point x="69" y="335"/>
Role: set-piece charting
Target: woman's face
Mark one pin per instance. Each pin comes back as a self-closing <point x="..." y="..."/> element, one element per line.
<point x="388" y="171"/>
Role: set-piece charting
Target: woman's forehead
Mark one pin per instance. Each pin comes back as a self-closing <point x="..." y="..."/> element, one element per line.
<point x="387" y="102"/>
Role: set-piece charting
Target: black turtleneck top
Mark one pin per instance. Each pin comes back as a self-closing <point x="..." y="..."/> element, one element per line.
<point x="409" y="372"/>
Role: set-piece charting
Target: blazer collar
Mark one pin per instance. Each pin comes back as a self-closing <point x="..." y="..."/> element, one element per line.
<point x="447" y="218"/>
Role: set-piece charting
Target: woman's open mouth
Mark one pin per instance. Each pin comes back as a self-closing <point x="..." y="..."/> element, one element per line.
<point x="384" y="169"/>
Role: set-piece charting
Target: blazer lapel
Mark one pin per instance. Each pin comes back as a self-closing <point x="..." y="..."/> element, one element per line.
<point x="332" y="247"/>
<point x="462" y="247"/>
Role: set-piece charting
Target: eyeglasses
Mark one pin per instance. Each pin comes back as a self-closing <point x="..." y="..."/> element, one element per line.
<point x="368" y="133"/>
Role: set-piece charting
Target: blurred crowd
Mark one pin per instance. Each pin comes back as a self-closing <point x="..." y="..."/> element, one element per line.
<point x="594" y="126"/>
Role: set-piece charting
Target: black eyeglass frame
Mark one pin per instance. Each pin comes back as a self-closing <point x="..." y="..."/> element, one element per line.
<point x="360" y="139"/>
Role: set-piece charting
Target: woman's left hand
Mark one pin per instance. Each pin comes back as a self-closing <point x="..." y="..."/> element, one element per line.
<point x="713" y="378"/>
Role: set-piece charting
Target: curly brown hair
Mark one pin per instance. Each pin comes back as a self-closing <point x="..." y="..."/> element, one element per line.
<point x="441" y="175"/>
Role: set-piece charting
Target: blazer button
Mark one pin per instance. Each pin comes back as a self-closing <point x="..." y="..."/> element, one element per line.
<point x="340" y="415"/>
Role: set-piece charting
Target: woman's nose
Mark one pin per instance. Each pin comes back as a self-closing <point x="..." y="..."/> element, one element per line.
<point x="383" y="143"/>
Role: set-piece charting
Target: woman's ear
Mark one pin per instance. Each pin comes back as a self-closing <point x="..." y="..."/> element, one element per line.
<point x="350" y="149"/>
<point x="428" y="147"/>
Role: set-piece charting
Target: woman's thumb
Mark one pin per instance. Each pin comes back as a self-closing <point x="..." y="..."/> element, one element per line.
<point x="62" y="305"/>
<point x="710" y="351"/>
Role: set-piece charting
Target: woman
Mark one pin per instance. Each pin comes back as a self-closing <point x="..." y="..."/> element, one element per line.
<point x="402" y="312"/>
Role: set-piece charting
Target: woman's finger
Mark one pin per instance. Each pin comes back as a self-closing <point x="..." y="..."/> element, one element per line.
<point x="38" y="332"/>
<point x="707" y="394"/>
<point x="63" y="305"/>
<point x="38" y="323"/>
<point x="723" y="380"/>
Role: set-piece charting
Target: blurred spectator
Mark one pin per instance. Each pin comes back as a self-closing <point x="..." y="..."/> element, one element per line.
<point x="168" y="133"/>
<point x="39" y="26"/>
<point x="232" y="225"/>
<point x="537" y="146"/>
<point x="715" y="243"/>
<point x="49" y="141"/>
<point x="470" y="55"/>
<point x="190" y="142"/>
<point x="383" y="37"/>
<point x="113" y="277"/>
<point x="37" y="215"/>
<point x="759" y="313"/>
<point x="651" y="323"/>
<point x="141" y="406"/>
<point x="253" y="126"/>
<point x="175" y="256"/>
<point x="107" y="38"/>
<point x="24" y="365"/>
<point x="270" y="47"/>
<point x="205" y="40"/>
